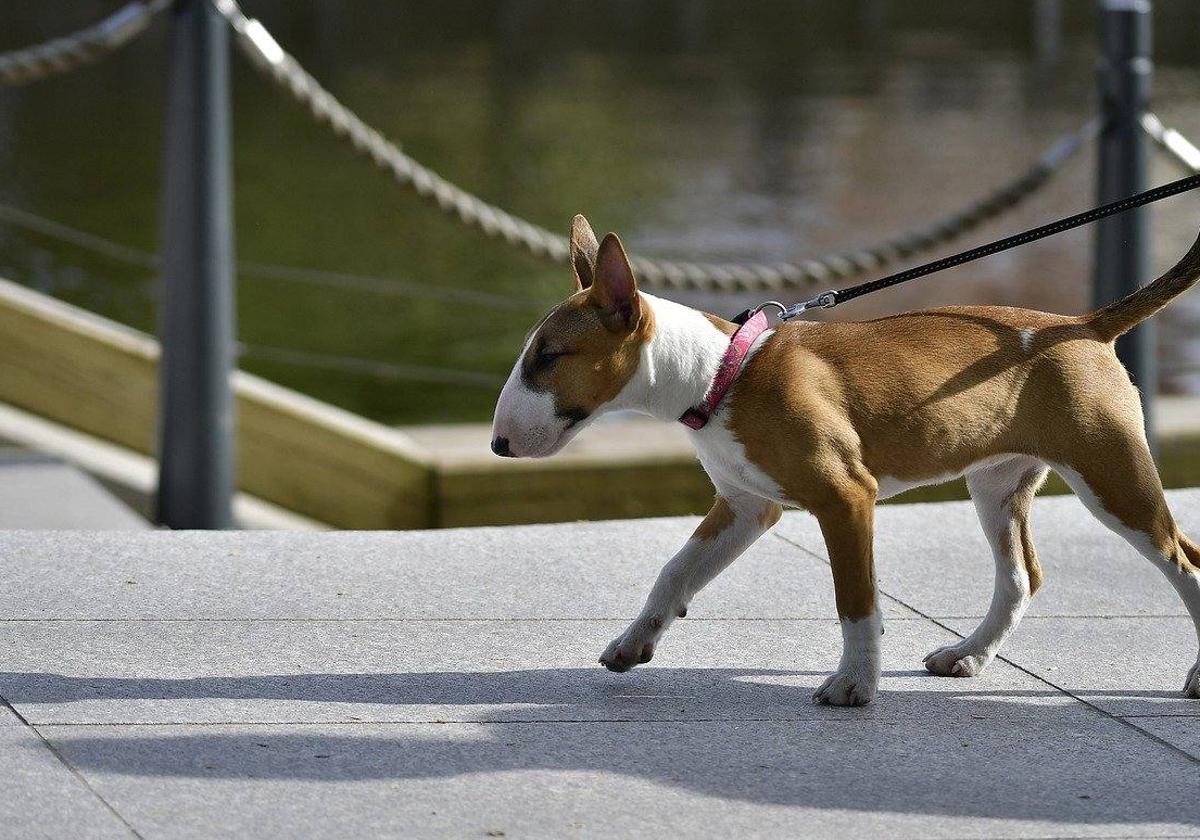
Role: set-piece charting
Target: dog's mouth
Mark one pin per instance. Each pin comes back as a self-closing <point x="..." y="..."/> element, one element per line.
<point x="575" y="420"/>
<point x="573" y="416"/>
<point x="557" y="445"/>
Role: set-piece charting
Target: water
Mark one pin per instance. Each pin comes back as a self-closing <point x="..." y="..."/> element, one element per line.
<point x="714" y="131"/>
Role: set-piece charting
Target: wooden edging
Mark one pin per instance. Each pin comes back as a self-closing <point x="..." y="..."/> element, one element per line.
<point x="97" y="376"/>
<point x="562" y="492"/>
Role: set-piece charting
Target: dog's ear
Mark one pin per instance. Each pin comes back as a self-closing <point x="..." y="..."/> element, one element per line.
<point x="614" y="289"/>
<point x="583" y="253"/>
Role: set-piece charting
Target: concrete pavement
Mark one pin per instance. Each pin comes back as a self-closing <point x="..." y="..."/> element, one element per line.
<point x="38" y="491"/>
<point x="443" y="684"/>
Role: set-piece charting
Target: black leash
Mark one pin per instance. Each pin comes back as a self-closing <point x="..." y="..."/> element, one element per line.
<point x="831" y="298"/>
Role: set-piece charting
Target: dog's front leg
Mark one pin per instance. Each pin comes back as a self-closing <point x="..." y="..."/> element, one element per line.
<point x="848" y="527"/>
<point x="735" y="521"/>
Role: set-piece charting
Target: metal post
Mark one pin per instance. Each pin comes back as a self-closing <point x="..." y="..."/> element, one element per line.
<point x="1122" y="241"/>
<point x="196" y="475"/>
<point x="1047" y="32"/>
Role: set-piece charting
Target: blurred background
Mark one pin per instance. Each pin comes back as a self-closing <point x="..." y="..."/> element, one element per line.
<point x="702" y="131"/>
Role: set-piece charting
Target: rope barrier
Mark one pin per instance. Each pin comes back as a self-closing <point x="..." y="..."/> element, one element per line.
<point x="385" y="286"/>
<point x="69" y="52"/>
<point x="81" y="239"/>
<point x="1177" y="147"/>
<point x="269" y="57"/>
<point x="64" y="54"/>
<point x="270" y="271"/>
<point x="388" y="371"/>
<point x="369" y="367"/>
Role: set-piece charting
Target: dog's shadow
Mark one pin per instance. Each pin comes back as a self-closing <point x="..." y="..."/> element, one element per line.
<point x="956" y="748"/>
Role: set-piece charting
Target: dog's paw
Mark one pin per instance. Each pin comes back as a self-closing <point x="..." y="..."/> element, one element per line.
<point x="956" y="661"/>
<point x="633" y="647"/>
<point x="1191" y="686"/>
<point x="847" y="688"/>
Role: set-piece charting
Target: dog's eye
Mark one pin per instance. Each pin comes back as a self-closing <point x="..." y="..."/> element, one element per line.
<point x="545" y="358"/>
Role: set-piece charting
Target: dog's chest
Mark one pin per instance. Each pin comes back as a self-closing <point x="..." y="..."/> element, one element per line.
<point x="724" y="459"/>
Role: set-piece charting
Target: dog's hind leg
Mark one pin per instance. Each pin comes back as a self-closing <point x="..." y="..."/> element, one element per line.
<point x="1002" y="493"/>
<point x="734" y="523"/>
<point x="1121" y="488"/>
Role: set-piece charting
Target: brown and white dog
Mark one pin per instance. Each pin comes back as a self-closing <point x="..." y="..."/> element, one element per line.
<point x="831" y="417"/>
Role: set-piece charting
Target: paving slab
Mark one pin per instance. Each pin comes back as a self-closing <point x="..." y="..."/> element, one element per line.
<point x="38" y="492"/>
<point x="1126" y="666"/>
<point x="934" y="558"/>
<point x="581" y="570"/>
<point x="1181" y="731"/>
<point x="8" y="717"/>
<point x="219" y="685"/>
<point x="1086" y="777"/>
<point x="339" y="672"/>
<point x="41" y="797"/>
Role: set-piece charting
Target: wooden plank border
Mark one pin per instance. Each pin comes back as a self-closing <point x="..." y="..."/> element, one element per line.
<point x="100" y="377"/>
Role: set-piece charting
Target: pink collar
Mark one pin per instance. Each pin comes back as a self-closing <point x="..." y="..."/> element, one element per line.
<point x="697" y="417"/>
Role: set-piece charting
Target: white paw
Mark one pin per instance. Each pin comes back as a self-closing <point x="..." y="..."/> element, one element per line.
<point x="633" y="647"/>
<point x="956" y="661"/>
<point x="847" y="688"/>
<point x="1191" y="686"/>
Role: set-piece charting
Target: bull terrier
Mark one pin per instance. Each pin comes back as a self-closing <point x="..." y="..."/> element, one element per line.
<point x="830" y="417"/>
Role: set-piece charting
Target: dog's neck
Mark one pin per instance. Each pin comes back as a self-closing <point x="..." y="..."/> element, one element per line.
<point x="677" y="364"/>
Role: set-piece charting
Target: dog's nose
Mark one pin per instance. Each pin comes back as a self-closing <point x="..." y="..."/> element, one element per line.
<point x="500" y="447"/>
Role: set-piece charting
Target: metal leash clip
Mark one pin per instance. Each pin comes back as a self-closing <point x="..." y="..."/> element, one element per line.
<point x="825" y="300"/>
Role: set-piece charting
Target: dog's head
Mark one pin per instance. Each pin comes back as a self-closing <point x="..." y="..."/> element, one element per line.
<point x="579" y="357"/>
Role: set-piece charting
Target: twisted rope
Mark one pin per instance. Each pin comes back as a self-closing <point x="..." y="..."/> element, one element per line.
<point x="373" y="368"/>
<point x="391" y="286"/>
<point x="269" y="57"/>
<point x="62" y="55"/>
<point x="1178" y="147"/>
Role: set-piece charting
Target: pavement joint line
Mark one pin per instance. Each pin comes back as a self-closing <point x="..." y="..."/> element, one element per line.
<point x="1071" y="616"/>
<point x="373" y="620"/>
<point x="1183" y="715"/>
<point x="518" y="619"/>
<point x="476" y="722"/>
<point x="54" y="751"/>
<point x="1103" y="712"/>
<point x="1086" y="837"/>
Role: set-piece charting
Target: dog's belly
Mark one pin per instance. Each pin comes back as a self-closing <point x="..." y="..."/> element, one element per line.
<point x="725" y="461"/>
<point x="891" y="486"/>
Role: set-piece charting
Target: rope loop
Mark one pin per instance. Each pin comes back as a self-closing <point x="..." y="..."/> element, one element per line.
<point x="69" y="52"/>
<point x="265" y="53"/>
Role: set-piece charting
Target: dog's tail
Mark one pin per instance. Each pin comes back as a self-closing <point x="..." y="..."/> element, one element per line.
<point x="1118" y="318"/>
